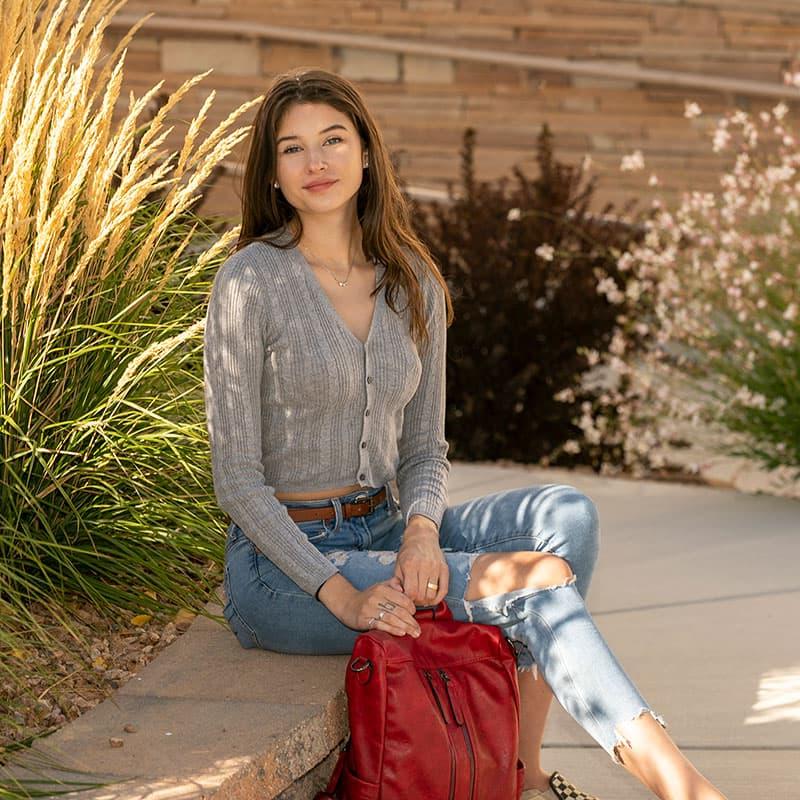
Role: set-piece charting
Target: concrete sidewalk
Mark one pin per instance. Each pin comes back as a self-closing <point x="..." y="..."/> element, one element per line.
<point x="697" y="591"/>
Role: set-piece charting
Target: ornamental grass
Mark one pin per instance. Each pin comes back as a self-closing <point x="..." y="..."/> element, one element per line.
<point x="106" y="263"/>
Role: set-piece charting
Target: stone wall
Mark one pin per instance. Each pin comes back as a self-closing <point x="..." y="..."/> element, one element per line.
<point x="424" y="102"/>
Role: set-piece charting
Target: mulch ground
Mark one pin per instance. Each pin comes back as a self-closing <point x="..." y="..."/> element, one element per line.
<point x="79" y="680"/>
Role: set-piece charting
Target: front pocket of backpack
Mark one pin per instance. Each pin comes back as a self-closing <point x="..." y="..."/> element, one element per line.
<point x="356" y="788"/>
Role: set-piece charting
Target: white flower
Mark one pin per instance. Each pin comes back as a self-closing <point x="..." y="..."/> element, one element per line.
<point x="792" y="78"/>
<point x="691" y="110"/>
<point x="750" y="399"/>
<point x="780" y="110"/>
<point x="608" y="287"/>
<point x="775" y="337"/>
<point x="513" y="214"/>
<point x="791" y="311"/>
<point x="721" y="139"/>
<point x="653" y="180"/>
<point x="545" y="251"/>
<point x="572" y="446"/>
<point x="633" y="162"/>
<point x="617" y="344"/>
<point x="625" y="261"/>
<point x="633" y="289"/>
<point x="592" y="358"/>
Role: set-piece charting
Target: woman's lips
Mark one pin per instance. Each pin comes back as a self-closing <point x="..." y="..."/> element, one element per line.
<point x="320" y="187"/>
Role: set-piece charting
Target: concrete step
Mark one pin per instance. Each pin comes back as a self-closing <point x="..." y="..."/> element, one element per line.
<point x="211" y="718"/>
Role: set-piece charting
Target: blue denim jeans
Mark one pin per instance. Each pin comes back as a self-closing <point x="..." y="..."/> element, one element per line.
<point x="550" y="627"/>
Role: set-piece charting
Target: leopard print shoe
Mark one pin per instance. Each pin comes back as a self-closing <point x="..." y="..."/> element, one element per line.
<point x="560" y="789"/>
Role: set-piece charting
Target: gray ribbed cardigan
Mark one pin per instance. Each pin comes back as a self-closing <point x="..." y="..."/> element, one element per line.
<point x="296" y="402"/>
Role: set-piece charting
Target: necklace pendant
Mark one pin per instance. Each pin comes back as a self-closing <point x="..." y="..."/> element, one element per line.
<point x="341" y="283"/>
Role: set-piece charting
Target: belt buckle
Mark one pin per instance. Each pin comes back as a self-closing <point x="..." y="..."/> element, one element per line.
<point x="360" y="498"/>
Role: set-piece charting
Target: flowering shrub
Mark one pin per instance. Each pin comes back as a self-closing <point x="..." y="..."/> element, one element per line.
<point x="715" y="285"/>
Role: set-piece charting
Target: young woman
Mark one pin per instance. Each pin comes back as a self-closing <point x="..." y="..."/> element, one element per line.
<point x="325" y="380"/>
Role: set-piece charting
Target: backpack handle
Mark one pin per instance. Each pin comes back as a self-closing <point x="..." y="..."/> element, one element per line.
<point x="440" y="611"/>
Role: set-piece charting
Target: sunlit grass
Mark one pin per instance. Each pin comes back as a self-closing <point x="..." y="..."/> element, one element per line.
<point x="106" y="266"/>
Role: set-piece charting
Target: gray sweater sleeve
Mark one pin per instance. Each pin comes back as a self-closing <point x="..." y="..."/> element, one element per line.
<point x="235" y="341"/>
<point x="423" y="467"/>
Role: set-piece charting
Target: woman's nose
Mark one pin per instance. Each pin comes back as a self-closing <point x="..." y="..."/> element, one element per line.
<point x="315" y="160"/>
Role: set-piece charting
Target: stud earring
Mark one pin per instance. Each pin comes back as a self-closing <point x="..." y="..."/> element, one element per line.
<point x="276" y="184"/>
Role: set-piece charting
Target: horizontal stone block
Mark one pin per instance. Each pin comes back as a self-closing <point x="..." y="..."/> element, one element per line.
<point x="687" y="21"/>
<point x="184" y="8"/>
<point x="370" y="65"/>
<point x="281" y="56"/>
<point x="596" y="82"/>
<point x="571" y="43"/>
<point x="225" y="56"/>
<point x="432" y="5"/>
<point x="754" y="35"/>
<point x="601" y="141"/>
<point x="606" y="8"/>
<point x="766" y="71"/>
<point x="427" y="69"/>
<point x="482" y="74"/>
<point x="590" y="25"/>
<point x="147" y="44"/>
<point x="143" y="61"/>
<point x="580" y="102"/>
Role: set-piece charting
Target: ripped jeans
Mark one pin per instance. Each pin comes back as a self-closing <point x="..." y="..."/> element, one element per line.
<point x="549" y="627"/>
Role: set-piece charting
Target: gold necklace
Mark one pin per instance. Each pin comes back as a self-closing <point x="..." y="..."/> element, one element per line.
<point x="341" y="283"/>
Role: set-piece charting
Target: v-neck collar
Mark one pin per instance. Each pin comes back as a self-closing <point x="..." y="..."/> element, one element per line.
<point x="316" y="287"/>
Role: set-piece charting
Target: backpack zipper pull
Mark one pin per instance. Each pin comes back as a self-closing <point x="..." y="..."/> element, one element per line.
<point x="446" y="680"/>
<point x="429" y="678"/>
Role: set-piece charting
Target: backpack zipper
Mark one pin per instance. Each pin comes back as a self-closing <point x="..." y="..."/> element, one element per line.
<point x="459" y="718"/>
<point x="429" y="678"/>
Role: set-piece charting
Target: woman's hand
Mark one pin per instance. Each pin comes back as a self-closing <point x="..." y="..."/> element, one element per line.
<point x="420" y="560"/>
<point x="386" y="598"/>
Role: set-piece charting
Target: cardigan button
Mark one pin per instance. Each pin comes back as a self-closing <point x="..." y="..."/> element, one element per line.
<point x="362" y="476"/>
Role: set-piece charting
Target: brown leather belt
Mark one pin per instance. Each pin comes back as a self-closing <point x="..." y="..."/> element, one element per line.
<point x="357" y="508"/>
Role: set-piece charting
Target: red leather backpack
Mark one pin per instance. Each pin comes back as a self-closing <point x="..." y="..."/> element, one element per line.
<point x="433" y="718"/>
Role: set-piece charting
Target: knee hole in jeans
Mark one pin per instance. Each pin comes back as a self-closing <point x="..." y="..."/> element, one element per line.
<point x="531" y="571"/>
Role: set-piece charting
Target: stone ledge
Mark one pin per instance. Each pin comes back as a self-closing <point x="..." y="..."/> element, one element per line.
<point x="212" y="719"/>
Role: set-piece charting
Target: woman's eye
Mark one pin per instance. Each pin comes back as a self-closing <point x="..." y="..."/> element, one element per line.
<point x="292" y="146"/>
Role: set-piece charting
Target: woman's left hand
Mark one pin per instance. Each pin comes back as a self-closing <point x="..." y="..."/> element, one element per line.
<point x="420" y="560"/>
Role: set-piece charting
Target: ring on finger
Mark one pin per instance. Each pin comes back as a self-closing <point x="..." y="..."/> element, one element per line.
<point x="433" y="586"/>
<point x="388" y="605"/>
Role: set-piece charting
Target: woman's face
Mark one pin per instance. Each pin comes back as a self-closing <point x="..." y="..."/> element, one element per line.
<point x="314" y="143"/>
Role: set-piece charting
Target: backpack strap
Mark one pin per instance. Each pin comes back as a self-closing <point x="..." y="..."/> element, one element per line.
<point x="333" y="784"/>
<point x="440" y="611"/>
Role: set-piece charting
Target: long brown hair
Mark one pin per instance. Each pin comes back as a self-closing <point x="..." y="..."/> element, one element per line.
<point x="382" y="210"/>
